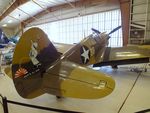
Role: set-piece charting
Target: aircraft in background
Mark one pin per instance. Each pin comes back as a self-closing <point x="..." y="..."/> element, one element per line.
<point x="38" y="67"/>
<point x="6" y="48"/>
<point x="15" y="37"/>
<point x="5" y="41"/>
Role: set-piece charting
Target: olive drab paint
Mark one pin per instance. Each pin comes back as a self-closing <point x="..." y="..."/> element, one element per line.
<point x="38" y="67"/>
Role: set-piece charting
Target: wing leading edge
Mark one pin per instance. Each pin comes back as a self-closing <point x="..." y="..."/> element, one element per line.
<point x="125" y="55"/>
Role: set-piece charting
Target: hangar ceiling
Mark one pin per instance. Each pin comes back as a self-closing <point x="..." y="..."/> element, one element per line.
<point x="24" y="9"/>
<point x="12" y="13"/>
<point x="4" y="4"/>
<point x="27" y="11"/>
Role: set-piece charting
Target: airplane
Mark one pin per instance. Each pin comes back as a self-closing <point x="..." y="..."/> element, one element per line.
<point x="15" y="37"/>
<point x="11" y="41"/>
<point x="3" y="39"/>
<point x="7" y="46"/>
<point x="38" y="67"/>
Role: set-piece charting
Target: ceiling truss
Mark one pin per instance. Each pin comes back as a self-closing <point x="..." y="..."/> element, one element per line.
<point x="12" y="7"/>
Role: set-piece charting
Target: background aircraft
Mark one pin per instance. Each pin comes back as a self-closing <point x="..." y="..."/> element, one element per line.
<point x="38" y="67"/>
<point x="3" y="39"/>
<point x="7" y="46"/>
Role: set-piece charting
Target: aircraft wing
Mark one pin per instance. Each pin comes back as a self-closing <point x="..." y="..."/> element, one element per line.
<point x="125" y="55"/>
<point x="128" y="53"/>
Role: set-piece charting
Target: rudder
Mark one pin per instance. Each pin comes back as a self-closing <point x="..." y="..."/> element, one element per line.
<point x="33" y="54"/>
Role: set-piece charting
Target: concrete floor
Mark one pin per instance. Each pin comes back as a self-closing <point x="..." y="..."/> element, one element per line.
<point x="137" y="100"/>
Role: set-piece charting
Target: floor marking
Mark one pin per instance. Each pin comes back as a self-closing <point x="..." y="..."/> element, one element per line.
<point x="139" y="74"/>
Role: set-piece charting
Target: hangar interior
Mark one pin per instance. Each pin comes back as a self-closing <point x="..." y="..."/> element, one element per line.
<point x="69" y="22"/>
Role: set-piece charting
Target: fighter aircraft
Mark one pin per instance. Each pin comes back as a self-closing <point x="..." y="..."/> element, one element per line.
<point x="38" y="67"/>
<point x="6" y="48"/>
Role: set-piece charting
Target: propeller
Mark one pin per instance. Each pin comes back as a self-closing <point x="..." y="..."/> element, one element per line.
<point x="117" y="28"/>
<point x="98" y="32"/>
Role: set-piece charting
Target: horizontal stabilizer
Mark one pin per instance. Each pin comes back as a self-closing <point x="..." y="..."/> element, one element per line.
<point x="77" y="82"/>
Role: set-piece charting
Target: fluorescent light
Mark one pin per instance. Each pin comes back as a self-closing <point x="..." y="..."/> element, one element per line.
<point x="4" y="25"/>
<point x="10" y="21"/>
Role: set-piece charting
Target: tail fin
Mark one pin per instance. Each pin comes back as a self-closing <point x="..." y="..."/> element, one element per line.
<point x="3" y="38"/>
<point x="34" y="53"/>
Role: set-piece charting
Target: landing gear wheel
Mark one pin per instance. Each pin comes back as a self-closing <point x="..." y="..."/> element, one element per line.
<point x="58" y="97"/>
<point x="145" y="70"/>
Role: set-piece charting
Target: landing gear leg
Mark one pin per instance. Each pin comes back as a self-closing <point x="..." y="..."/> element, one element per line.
<point x="145" y="70"/>
<point x="1" y="58"/>
<point x="114" y="66"/>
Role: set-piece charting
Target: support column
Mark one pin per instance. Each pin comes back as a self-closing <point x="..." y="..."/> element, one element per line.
<point x="125" y="17"/>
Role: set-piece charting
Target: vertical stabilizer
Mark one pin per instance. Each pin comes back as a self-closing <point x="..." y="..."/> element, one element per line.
<point x="34" y="53"/>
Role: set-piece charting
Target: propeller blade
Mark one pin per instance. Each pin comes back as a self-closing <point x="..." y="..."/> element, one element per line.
<point x="96" y="31"/>
<point x="117" y="28"/>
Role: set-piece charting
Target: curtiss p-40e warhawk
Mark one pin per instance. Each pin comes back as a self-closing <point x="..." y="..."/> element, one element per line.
<point x="38" y="67"/>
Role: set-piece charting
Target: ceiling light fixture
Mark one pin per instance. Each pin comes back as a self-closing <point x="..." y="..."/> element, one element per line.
<point x="4" y="25"/>
<point x="10" y="21"/>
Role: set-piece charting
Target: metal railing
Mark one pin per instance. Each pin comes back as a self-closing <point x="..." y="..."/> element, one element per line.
<point x="5" y="103"/>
